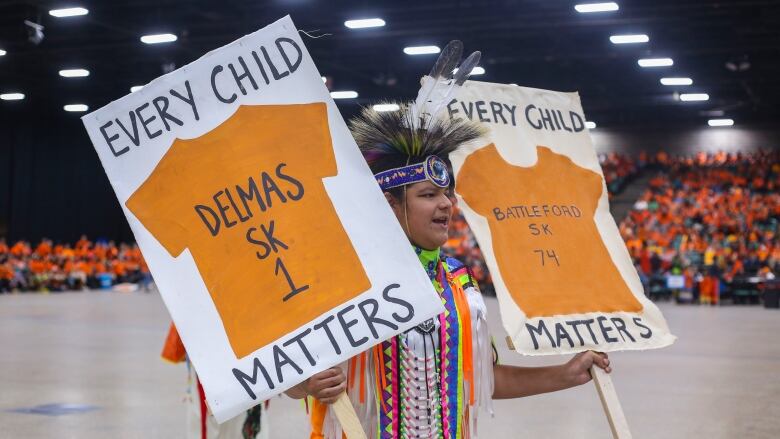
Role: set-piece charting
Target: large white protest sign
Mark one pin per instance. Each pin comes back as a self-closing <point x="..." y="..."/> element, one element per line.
<point x="534" y="195"/>
<point x="273" y="248"/>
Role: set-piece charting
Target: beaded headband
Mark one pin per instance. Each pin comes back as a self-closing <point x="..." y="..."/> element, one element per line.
<point x="432" y="169"/>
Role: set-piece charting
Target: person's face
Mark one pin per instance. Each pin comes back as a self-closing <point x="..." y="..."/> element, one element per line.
<point x="424" y="214"/>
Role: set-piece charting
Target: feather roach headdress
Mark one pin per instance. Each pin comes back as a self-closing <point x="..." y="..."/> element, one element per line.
<point x="413" y="143"/>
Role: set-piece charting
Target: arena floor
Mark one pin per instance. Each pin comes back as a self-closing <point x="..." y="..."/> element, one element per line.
<point x="97" y="354"/>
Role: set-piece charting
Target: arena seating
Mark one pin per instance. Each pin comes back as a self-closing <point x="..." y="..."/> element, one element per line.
<point x="59" y="267"/>
<point x="619" y="170"/>
<point x="705" y="229"/>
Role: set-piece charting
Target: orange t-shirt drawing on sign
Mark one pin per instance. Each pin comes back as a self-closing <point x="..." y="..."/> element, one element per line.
<point x="248" y="201"/>
<point x="549" y="252"/>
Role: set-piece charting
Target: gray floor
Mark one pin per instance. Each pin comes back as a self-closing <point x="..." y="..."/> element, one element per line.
<point x="101" y="350"/>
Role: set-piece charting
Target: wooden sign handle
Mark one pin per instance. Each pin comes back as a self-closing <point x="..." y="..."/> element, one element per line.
<point x="609" y="399"/>
<point x="345" y="412"/>
<point x="611" y="404"/>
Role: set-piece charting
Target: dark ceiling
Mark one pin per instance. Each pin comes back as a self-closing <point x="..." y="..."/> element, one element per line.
<point x="536" y="43"/>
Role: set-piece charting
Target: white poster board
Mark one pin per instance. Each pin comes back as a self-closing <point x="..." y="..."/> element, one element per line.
<point x="267" y="235"/>
<point x="534" y="195"/>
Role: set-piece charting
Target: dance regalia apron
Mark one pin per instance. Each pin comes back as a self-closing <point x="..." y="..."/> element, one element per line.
<point x="430" y="381"/>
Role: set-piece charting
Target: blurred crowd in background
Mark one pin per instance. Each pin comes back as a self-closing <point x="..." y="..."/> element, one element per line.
<point x="704" y="228"/>
<point x="58" y="267"/>
<point x="711" y="222"/>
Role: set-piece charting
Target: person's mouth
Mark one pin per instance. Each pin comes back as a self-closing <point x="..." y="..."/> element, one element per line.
<point x="442" y="221"/>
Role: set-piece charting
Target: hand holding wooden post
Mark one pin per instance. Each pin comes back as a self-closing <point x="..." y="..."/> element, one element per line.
<point x="328" y="387"/>
<point x="611" y="403"/>
<point x="347" y="417"/>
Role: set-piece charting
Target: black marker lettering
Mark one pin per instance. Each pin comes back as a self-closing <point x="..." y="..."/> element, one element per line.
<point x="190" y="99"/>
<point x="110" y="139"/>
<point x="345" y="325"/>
<point x="409" y="308"/>
<point x="281" y="359"/>
<point x="324" y="325"/>
<point x="371" y="317"/>
<point x="244" y="378"/>
<point x="539" y="329"/>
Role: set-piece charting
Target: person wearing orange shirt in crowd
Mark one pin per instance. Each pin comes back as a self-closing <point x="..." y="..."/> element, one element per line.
<point x="709" y="290"/>
<point x="119" y="270"/>
<point x="58" y="277"/>
<point x="21" y="273"/>
<point x="44" y="249"/>
<point x="21" y="249"/>
<point x="111" y="251"/>
<point x="38" y="273"/>
<point x="81" y="274"/>
<point x="83" y="243"/>
<point x="102" y="276"/>
<point x="100" y="250"/>
<point x="6" y="273"/>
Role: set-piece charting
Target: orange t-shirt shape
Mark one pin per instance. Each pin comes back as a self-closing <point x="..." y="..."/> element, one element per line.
<point x="253" y="294"/>
<point x="578" y="274"/>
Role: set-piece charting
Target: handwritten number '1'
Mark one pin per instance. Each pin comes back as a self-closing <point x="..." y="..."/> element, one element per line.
<point x="293" y="289"/>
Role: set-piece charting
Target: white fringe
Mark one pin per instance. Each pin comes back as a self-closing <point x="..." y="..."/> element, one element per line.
<point x="368" y="412"/>
<point x="483" y="359"/>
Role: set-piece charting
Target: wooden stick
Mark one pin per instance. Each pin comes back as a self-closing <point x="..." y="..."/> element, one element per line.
<point x="510" y="344"/>
<point x="611" y="404"/>
<point x="350" y="423"/>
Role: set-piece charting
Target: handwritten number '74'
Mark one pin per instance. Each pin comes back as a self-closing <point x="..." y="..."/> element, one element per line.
<point x="550" y="255"/>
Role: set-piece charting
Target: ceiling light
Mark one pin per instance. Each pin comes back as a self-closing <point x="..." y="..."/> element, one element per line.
<point x="421" y="50"/>
<point x="74" y="73"/>
<point x="628" y="39"/>
<point x="676" y="81"/>
<point x="655" y="62"/>
<point x="596" y="7"/>
<point x="386" y="107"/>
<point x="76" y="108"/>
<point x="2" y="52"/>
<point x="324" y="79"/>
<point x="135" y="88"/>
<point x="720" y="122"/>
<point x="590" y="125"/>
<point x="68" y="12"/>
<point x="364" y="23"/>
<point x="12" y="96"/>
<point x="158" y="38"/>
<point x="346" y="94"/>
<point x="688" y="97"/>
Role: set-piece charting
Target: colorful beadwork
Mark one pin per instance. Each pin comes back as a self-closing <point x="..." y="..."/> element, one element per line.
<point x="453" y="335"/>
<point x="432" y="169"/>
